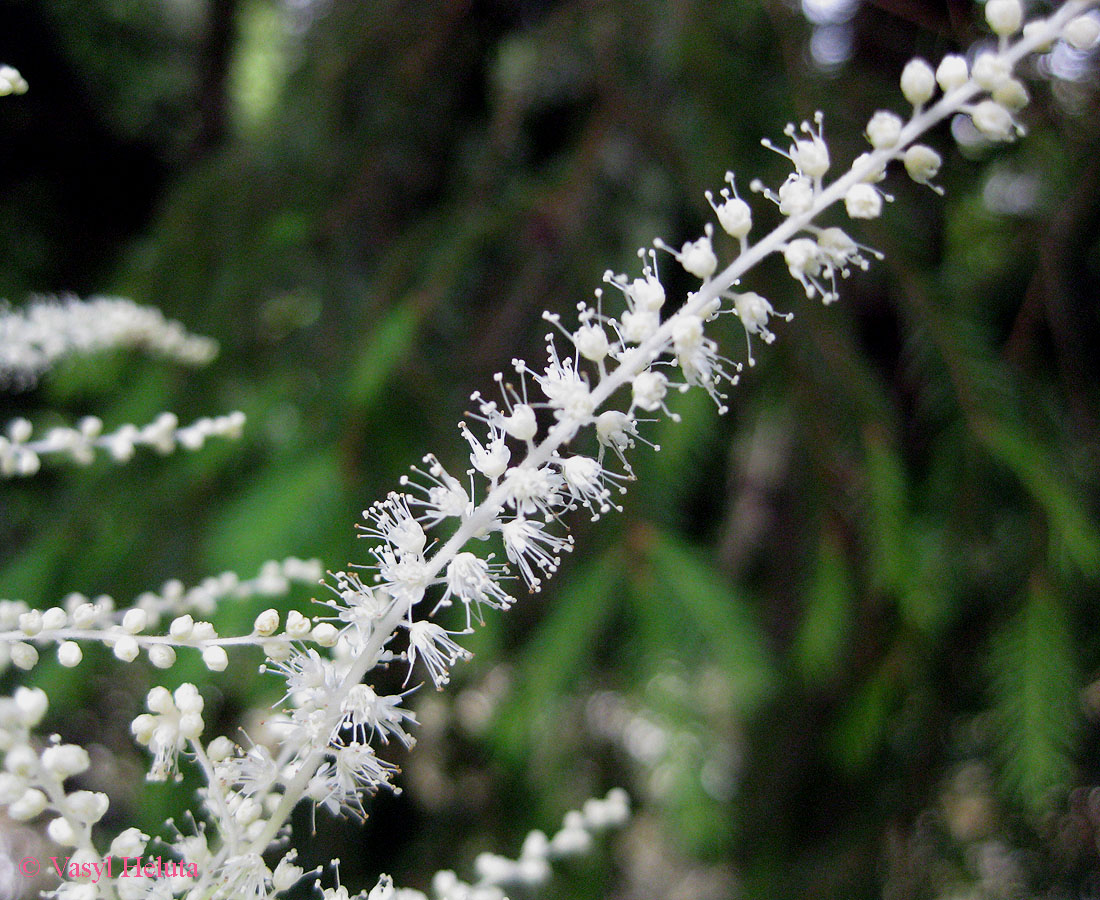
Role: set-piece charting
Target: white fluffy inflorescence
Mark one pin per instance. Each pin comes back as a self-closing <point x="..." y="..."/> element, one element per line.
<point x="20" y="455"/>
<point x="555" y="441"/>
<point x="34" y="338"/>
<point x="11" y="82"/>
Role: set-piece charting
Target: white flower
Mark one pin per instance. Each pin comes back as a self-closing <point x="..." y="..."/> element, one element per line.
<point x="639" y="325"/>
<point x="490" y="458"/>
<point x="1011" y="94"/>
<point x="616" y="431"/>
<point x="429" y="642"/>
<point x="529" y="489"/>
<point x="863" y="201"/>
<point x="796" y="196"/>
<point x="591" y="342"/>
<point x="697" y="257"/>
<point x="649" y="389"/>
<point x="473" y="581"/>
<point x="586" y="480"/>
<point x="445" y="496"/>
<point x="566" y="388"/>
<point x="922" y="163"/>
<point x="367" y="714"/>
<point x="733" y="213"/>
<point x="754" y="312"/>
<point x="392" y="521"/>
<point x="884" y="130"/>
<point x="529" y="546"/>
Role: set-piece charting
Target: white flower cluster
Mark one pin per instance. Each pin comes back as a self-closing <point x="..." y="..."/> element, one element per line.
<point x="35" y="337"/>
<point x="80" y="620"/>
<point x="554" y="441"/>
<point x="531" y="870"/>
<point x="33" y="780"/>
<point x="22" y="456"/>
<point x="11" y="82"/>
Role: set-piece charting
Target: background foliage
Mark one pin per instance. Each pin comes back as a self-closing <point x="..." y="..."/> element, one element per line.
<point x="839" y="644"/>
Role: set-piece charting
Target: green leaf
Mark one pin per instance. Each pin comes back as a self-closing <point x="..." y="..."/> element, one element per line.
<point x="388" y="343"/>
<point x="558" y="652"/>
<point x="1035" y="682"/>
<point x="724" y="623"/>
<point x="861" y="728"/>
<point x="826" y="625"/>
<point x="278" y="515"/>
<point x="1072" y="533"/>
<point x="888" y="517"/>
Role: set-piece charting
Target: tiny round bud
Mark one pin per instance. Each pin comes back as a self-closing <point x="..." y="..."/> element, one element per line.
<point x="135" y="620"/>
<point x="1081" y="33"/>
<point x="21" y="760"/>
<point x="952" y="72"/>
<point x="1011" y="94"/>
<point x="267" y="623"/>
<point x="221" y="748"/>
<point x="126" y="648"/>
<point x="62" y="832"/>
<point x="54" y="618"/>
<point x="863" y="201"/>
<point x="162" y="656"/>
<point x="202" y="632"/>
<point x="84" y="615"/>
<point x="297" y="625"/>
<point x="215" y="658"/>
<point x="991" y="70"/>
<point x="20" y="430"/>
<point x="277" y="651"/>
<point x="188" y="699"/>
<point x="159" y="700"/>
<point x="63" y="760"/>
<point x="884" y="130"/>
<point x="69" y="654"/>
<point x="87" y="806"/>
<point x="922" y="163"/>
<point x="32" y="703"/>
<point x="27" y="807"/>
<point x="30" y="623"/>
<point x="918" y="82"/>
<point x="181" y="627"/>
<point x="326" y="634"/>
<point x="130" y="842"/>
<point x="1040" y="30"/>
<point x="191" y="726"/>
<point x="1004" y="16"/>
<point x="143" y="727"/>
<point x="992" y="120"/>
<point x="24" y="656"/>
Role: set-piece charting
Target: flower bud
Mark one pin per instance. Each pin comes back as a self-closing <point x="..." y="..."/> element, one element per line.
<point x="1004" y="16"/>
<point x="918" y="82"/>
<point x="952" y="72"/>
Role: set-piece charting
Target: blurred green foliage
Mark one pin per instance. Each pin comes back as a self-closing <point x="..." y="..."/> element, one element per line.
<point x="838" y="644"/>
